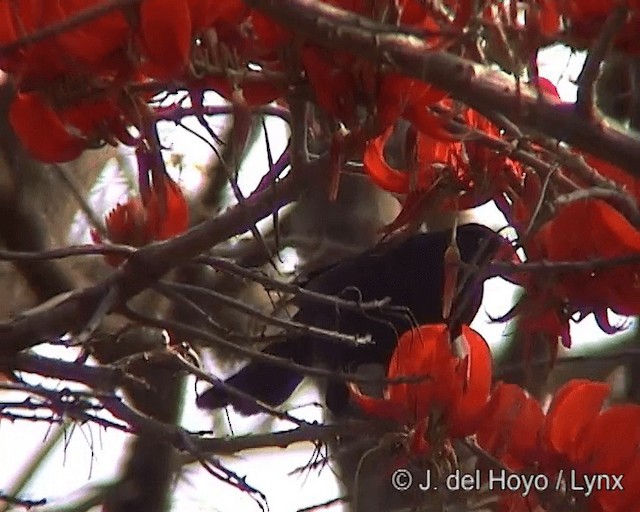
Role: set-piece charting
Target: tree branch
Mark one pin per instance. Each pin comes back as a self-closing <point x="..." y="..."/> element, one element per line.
<point x="474" y="84"/>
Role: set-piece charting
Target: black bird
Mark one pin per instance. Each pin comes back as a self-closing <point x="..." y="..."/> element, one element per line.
<point x="410" y="273"/>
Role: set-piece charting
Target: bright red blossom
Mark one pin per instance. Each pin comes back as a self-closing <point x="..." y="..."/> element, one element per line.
<point x="449" y="401"/>
<point x="139" y="222"/>
<point x="508" y="434"/>
<point x="581" y="231"/>
<point x="41" y="130"/>
<point x="574" y="435"/>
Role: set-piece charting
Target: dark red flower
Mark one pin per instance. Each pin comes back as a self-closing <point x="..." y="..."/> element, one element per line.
<point x="575" y="436"/>
<point x="450" y="398"/>
<point x="139" y="222"/>
<point x="91" y="41"/>
<point x="166" y="30"/>
<point x="40" y="129"/>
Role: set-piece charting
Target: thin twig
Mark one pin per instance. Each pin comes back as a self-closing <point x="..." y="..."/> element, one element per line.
<point x="290" y="325"/>
<point x="548" y="267"/>
<point x="86" y="208"/>
<point x="66" y="24"/>
<point x="188" y="331"/>
<point x="271" y="284"/>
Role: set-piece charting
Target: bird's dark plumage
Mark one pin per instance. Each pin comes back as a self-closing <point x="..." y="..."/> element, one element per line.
<point x="410" y="273"/>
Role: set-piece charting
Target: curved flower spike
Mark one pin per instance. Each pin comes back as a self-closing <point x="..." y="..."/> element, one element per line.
<point x="388" y="178"/>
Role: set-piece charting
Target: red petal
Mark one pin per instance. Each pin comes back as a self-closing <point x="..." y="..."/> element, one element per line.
<point x="91" y="41"/>
<point x="30" y="15"/>
<point x="7" y="28"/>
<point x="397" y="94"/>
<point x="589" y="228"/>
<point x="629" y="499"/>
<point x="166" y="31"/>
<point x="91" y="117"/>
<point x="333" y="86"/>
<point x="41" y="131"/>
<point x="511" y="424"/>
<point x="609" y="444"/>
<point x="524" y="443"/>
<point x="378" y="407"/>
<point x="629" y="182"/>
<point x="126" y="224"/>
<point x="423" y="352"/>
<point x="465" y="413"/>
<point x="494" y="433"/>
<point x="574" y="407"/>
<point x="165" y="223"/>
<point x="385" y="176"/>
<point x="269" y="34"/>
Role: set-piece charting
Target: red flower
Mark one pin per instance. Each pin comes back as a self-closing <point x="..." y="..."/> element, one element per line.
<point x="269" y="35"/>
<point x="585" y="17"/>
<point x="450" y="398"/>
<point x="575" y="436"/>
<point x="588" y="229"/>
<point x="139" y="222"/>
<point x="511" y="430"/>
<point x="40" y="129"/>
<point x="175" y="219"/>
<point x="400" y="182"/>
<point x="8" y="32"/>
<point x="91" y="41"/>
<point x="445" y="171"/>
<point x="205" y="13"/>
<point x="332" y="78"/>
<point x="580" y="232"/>
<point x="166" y="31"/>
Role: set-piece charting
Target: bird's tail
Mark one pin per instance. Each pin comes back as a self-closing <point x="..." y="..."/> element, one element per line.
<point x="265" y="382"/>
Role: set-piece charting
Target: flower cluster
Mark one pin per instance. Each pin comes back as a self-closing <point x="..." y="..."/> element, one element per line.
<point x="582" y="231"/>
<point x="447" y="395"/>
<point x="141" y="220"/>
<point x="451" y="391"/>
<point x="575" y="437"/>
